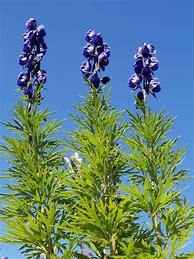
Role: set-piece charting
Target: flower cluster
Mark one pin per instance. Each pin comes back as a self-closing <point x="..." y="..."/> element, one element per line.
<point x="145" y="65"/>
<point x="97" y="54"/>
<point x="34" y="49"/>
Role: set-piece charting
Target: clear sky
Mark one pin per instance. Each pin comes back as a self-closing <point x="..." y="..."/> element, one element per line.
<point x="125" y="25"/>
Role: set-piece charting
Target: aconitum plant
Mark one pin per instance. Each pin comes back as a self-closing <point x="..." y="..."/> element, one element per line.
<point x="110" y="189"/>
<point x="144" y="67"/>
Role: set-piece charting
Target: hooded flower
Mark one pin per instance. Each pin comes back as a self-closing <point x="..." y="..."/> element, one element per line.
<point x="41" y="76"/>
<point x="134" y="81"/>
<point x="86" y="69"/>
<point x="95" y="80"/>
<point x="31" y="24"/>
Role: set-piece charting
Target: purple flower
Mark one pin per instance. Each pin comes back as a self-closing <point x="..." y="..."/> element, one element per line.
<point x="154" y="86"/>
<point x="107" y="49"/>
<point x="41" y="31"/>
<point x="95" y="80"/>
<point x="105" y="80"/>
<point x="145" y="65"/>
<point x="90" y="35"/>
<point x="89" y="51"/>
<point x="153" y="63"/>
<point x="103" y="60"/>
<point x="145" y="51"/>
<point x="152" y="50"/>
<point x="140" y="96"/>
<point x="134" y="81"/>
<point x="22" y="80"/>
<point x="97" y="53"/>
<point x="23" y="59"/>
<point x="97" y="40"/>
<point x="41" y="76"/>
<point x="138" y="66"/>
<point x="31" y="24"/>
<point x="86" y="68"/>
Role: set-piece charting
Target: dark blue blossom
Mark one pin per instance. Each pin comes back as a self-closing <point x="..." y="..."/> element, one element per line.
<point x="134" y="81"/>
<point x="154" y="86"/>
<point x="138" y="66"/>
<point x="153" y="63"/>
<point x="86" y="69"/>
<point x="105" y="80"/>
<point x="41" y="76"/>
<point x="89" y="35"/>
<point x="97" y="54"/>
<point x="31" y="24"/>
<point x="89" y="51"/>
<point x="95" y="80"/>
<point x="140" y="96"/>
<point x="22" y="80"/>
<point x="41" y="31"/>
<point x="103" y="60"/>
<point x="34" y="49"/>
<point x="144" y="67"/>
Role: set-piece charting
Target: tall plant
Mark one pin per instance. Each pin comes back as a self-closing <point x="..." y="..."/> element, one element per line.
<point x="32" y="208"/>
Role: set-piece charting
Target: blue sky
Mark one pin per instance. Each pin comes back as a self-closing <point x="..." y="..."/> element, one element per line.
<point x="125" y="25"/>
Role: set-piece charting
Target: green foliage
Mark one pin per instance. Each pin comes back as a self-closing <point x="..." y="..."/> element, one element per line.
<point x="154" y="178"/>
<point x="63" y="207"/>
<point x="32" y="207"/>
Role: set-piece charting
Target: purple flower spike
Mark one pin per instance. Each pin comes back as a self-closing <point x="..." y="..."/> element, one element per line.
<point x="145" y="65"/>
<point x="4" y="257"/>
<point x="41" y="76"/>
<point x="31" y="24"/>
<point x="97" y="53"/>
<point x="34" y="49"/>
<point x="95" y="80"/>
